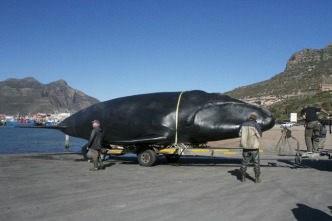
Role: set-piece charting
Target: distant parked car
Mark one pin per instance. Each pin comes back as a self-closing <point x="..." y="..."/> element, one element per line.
<point x="286" y="124"/>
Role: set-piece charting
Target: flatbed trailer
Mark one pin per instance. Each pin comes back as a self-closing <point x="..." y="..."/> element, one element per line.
<point x="147" y="157"/>
<point x="303" y="154"/>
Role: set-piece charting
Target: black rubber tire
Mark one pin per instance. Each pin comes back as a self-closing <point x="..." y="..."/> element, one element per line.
<point x="147" y="158"/>
<point x="84" y="152"/>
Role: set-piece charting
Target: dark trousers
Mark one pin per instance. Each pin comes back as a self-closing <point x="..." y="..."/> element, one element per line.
<point x="250" y="155"/>
<point x="312" y="136"/>
<point x="95" y="155"/>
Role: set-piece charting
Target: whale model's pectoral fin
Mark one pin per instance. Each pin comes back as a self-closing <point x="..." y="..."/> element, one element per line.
<point x="149" y="139"/>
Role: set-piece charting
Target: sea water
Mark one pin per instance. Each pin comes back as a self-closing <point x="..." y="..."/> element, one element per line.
<point x="31" y="140"/>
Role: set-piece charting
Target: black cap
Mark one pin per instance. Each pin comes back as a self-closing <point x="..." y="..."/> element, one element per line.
<point x="96" y="121"/>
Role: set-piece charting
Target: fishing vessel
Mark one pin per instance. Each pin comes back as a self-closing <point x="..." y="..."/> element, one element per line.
<point x="20" y="123"/>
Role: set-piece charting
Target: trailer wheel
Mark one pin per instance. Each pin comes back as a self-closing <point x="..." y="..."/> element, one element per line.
<point x="146" y="158"/>
<point x="85" y="152"/>
<point x="298" y="160"/>
<point x="172" y="158"/>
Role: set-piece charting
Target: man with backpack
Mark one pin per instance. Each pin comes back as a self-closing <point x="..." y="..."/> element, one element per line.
<point x="312" y="127"/>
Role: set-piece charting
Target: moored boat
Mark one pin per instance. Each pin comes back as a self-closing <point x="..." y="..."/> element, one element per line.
<point x="20" y="123"/>
<point x="51" y="123"/>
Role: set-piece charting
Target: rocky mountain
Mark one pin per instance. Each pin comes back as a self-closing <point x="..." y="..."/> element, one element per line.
<point x="304" y="71"/>
<point x="27" y="95"/>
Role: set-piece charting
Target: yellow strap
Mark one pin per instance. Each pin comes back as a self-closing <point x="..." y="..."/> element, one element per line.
<point x="176" y="118"/>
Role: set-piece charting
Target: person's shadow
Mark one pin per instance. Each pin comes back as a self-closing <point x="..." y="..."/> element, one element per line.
<point x="238" y="175"/>
<point x="306" y="213"/>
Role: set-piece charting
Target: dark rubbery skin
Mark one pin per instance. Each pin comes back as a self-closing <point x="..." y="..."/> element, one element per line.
<point x="153" y="118"/>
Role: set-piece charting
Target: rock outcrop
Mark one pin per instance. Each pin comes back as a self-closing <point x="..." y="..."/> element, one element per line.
<point x="304" y="71"/>
<point x="30" y="96"/>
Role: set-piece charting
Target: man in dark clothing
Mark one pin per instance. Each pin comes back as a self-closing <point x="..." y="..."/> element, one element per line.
<point x="312" y="127"/>
<point x="250" y="132"/>
<point x="95" y="143"/>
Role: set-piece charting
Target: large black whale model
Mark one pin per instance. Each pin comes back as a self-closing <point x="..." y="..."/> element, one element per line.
<point x="167" y="118"/>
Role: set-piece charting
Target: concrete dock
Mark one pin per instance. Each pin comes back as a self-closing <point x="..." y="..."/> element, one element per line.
<point x="61" y="187"/>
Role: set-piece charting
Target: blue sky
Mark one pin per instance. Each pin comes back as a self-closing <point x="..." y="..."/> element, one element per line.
<point x="110" y="49"/>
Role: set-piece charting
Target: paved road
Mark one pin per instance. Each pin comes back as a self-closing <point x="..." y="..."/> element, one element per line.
<point x="61" y="187"/>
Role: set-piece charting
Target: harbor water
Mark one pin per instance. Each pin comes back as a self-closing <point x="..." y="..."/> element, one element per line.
<point x="30" y="140"/>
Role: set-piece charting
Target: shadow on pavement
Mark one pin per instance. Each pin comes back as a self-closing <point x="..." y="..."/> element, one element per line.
<point x="306" y="213"/>
<point x="322" y="165"/>
<point x="238" y="176"/>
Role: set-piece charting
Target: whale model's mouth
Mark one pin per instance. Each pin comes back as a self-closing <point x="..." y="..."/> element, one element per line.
<point x="268" y="123"/>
